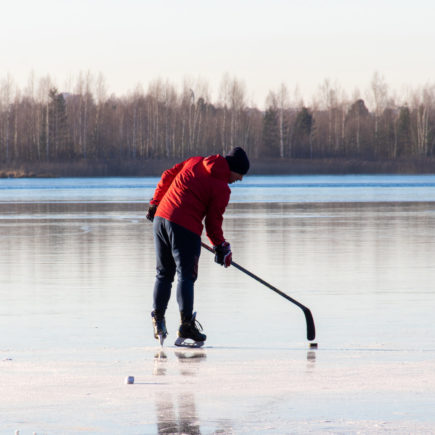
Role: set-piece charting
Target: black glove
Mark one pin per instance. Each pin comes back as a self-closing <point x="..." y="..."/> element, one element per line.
<point x="151" y="212"/>
<point x="223" y="254"/>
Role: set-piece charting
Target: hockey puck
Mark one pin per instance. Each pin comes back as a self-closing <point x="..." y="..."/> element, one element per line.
<point x="129" y="380"/>
<point x="313" y="345"/>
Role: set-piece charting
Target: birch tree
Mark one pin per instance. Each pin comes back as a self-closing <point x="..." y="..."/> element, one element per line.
<point x="233" y="101"/>
<point x="379" y="98"/>
<point x="279" y="100"/>
<point x="7" y="92"/>
<point x="101" y="98"/>
<point x="423" y="100"/>
<point x="45" y="84"/>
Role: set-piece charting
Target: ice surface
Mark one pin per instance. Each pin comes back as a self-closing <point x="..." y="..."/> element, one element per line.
<point x="75" y="289"/>
<point x="218" y="390"/>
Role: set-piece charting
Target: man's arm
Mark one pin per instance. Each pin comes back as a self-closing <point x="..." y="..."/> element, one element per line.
<point x="164" y="183"/>
<point x="214" y="216"/>
<point x="213" y="222"/>
<point x="161" y="189"/>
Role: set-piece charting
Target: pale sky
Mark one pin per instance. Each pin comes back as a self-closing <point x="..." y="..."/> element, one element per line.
<point x="261" y="42"/>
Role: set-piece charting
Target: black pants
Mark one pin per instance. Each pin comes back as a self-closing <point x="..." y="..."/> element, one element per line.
<point x="177" y="250"/>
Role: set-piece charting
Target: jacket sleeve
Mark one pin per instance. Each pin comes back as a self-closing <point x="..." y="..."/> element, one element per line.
<point x="215" y="215"/>
<point x="164" y="183"/>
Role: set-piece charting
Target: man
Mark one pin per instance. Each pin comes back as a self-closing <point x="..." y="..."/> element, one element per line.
<point x="186" y="194"/>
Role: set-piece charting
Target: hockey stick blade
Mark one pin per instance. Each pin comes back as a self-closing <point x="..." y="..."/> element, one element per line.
<point x="311" y="330"/>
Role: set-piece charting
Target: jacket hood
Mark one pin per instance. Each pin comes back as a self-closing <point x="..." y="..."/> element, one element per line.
<point x="217" y="167"/>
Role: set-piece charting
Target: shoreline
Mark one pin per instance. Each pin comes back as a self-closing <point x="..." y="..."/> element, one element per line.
<point x="150" y="168"/>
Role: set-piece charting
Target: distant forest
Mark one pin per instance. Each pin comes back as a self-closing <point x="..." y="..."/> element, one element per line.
<point x="42" y="124"/>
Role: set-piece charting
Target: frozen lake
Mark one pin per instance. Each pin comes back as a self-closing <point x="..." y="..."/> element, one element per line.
<point x="76" y="274"/>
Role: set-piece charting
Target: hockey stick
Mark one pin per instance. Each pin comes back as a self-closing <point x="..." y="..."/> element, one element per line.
<point x="311" y="330"/>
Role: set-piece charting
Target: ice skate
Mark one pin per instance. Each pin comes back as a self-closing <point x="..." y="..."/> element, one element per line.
<point x="189" y="334"/>
<point x="159" y="324"/>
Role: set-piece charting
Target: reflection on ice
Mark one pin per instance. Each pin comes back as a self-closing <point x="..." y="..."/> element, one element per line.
<point x="177" y="416"/>
<point x="189" y="362"/>
<point x="190" y="357"/>
<point x="311" y="356"/>
<point x="160" y="363"/>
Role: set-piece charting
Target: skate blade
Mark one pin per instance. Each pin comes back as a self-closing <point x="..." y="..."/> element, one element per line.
<point x="161" y="338"/>
<point x="186" y="342"/>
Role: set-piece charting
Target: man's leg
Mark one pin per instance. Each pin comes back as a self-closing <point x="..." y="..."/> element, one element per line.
<point x="165" y="266"/>
<point x="186" y="248"/>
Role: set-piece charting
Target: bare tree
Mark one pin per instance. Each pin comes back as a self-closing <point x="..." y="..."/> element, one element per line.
<point x="423" y="100"/>
<point x="101" y="98"/>
<point x="34" y="118"/>
<point x="7" y="91"/>
<point x="378" y="98"/>
<point x="279" y="100"/>
<point x="330" y="96"/>
<point x="45" y="84"/>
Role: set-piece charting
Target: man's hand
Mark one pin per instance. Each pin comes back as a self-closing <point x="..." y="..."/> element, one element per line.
<point x="223" y="254"/>
<point x="151" y="212"/>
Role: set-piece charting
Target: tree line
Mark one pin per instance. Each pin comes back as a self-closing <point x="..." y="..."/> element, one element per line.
<point x="43" y="124"/>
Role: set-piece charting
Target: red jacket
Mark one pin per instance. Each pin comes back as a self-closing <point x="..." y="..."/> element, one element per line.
<point x="192" y="190"/>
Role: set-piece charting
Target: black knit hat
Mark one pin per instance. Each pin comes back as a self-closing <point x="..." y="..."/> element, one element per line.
<point x="238" y="161"/>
